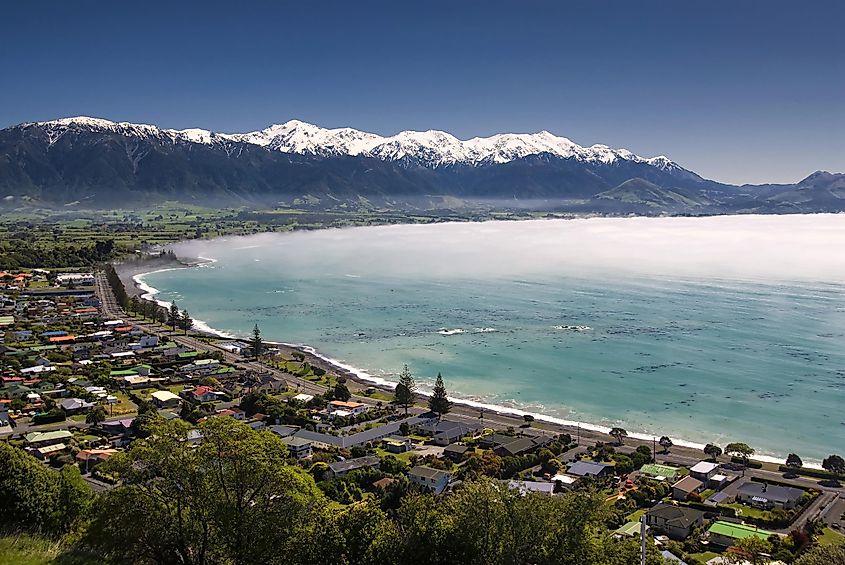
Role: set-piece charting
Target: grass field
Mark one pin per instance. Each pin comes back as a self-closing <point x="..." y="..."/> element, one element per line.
<point x="831" y="537"/>
<point x="24" y="549"/>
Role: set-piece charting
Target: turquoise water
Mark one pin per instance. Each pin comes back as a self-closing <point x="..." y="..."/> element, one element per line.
<point x="705" y="359"/>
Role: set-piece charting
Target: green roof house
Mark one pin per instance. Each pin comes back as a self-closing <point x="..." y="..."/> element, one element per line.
<point x="724" y="534"/>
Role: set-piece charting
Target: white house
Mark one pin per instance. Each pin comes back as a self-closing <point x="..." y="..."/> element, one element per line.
<point x="434" y="480"/>
<point x="351" y="408"/>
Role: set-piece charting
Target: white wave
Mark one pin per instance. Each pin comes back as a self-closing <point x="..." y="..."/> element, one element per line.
<point x="484" y="330"/>
<point x="445" y="331"/>
<point x="204" y="327"/>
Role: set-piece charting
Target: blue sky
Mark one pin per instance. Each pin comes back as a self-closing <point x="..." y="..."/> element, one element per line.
<point x="739" y="91"/>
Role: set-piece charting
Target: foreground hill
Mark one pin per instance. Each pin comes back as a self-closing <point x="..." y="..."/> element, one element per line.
<point x="94" y="163"/>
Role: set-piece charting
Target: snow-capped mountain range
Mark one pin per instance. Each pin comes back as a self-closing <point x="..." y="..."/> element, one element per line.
<point x="431" y="148"/>
<point x="95" y="162"/>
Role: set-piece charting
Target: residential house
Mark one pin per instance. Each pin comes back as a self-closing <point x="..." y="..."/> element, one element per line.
<point x="118" y="427"/>
<point x="677" y="522"/>
<point x="704" y="471"/>
<point x="48" y="451"/>
<point x="725" y="534"/>
<point x="444" y="431"/>
<point x="283" y="431"/>
<point x="397" y="444"/>
<point x="299" y="448"/>
<point x="455" y="452"/>
<point x="434" y="480"/>
<point x="682" y="489"/>
<point x="93" y="457"/>
<point x="660" y="472"/>
<point x="42" y="439"/>
<point x="563" y="481"/>
<point x="524" y="487"/>
<point x="766" y="496"/>
<point x="75" y="405"/>
<point x="202" y="394"/>
<point x="340" y="468"/>
<point x="521" y="446"/>
<point x="589" y="469"/>
<point x="344" y="408"/>
<point x="165" y="399"/>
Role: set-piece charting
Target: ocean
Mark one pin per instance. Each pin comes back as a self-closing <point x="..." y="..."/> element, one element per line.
<point x="712" y="329"/>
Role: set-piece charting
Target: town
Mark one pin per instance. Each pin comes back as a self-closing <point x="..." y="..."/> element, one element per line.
<point x="87" y="370"/>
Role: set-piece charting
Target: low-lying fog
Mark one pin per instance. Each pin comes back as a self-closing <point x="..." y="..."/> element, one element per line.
<point x="780" y="248"/>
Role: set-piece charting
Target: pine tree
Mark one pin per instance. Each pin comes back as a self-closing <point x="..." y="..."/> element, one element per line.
<point x="256" y="344"/>
<point x="404" y="394"/>
<point x="185" y="321"/>
<point x="173" y="316"/>
<point x="438" y="402"/>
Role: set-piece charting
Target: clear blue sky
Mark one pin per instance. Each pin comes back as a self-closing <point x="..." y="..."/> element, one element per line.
<point x="739" y="91"/>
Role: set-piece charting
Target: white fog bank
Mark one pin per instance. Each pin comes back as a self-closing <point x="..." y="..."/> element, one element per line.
<point x="769" y="248"/>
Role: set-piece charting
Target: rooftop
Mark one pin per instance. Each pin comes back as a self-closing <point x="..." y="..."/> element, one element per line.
<point x="581" y="468"/>
<point x="658" y="470"/>
<point x="352" y="464"/>
<point x="737" y="531"/>
<point x="428" y="472"/>
<point x="704" y="467"/>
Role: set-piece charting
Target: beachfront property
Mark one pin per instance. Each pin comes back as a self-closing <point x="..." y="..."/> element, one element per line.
<point x="677" y="522"/>
<point x="725" y="534"/>
<point x="435" y="480"/>
<point x="766" y="496"/>
<point x="660" y="472"/>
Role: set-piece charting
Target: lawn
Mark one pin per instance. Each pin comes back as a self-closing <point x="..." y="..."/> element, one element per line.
<point x="747" y="511"/>
<point x="830" y="537"/>
<point x="705" y="556"/>
<point x="406" y="457"/>
<point x="23" y="549"/>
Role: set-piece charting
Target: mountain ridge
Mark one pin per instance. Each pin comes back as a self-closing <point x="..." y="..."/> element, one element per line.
<point x="103" y="163"/>
<point x="430" y="147"/>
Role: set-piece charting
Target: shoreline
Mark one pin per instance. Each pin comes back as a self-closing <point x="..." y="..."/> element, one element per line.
<point x="467" y="407"/>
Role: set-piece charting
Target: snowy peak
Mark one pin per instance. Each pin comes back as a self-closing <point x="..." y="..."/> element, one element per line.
<point x="57" y="128"/>
<point x="430" y="148"/>
<point x="435" y="148"/>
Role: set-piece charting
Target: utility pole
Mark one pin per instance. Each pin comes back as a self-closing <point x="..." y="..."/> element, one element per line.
<point x="578" y="441"/>
<point x="642" y="539"/>
<point x="654" y="448"/>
